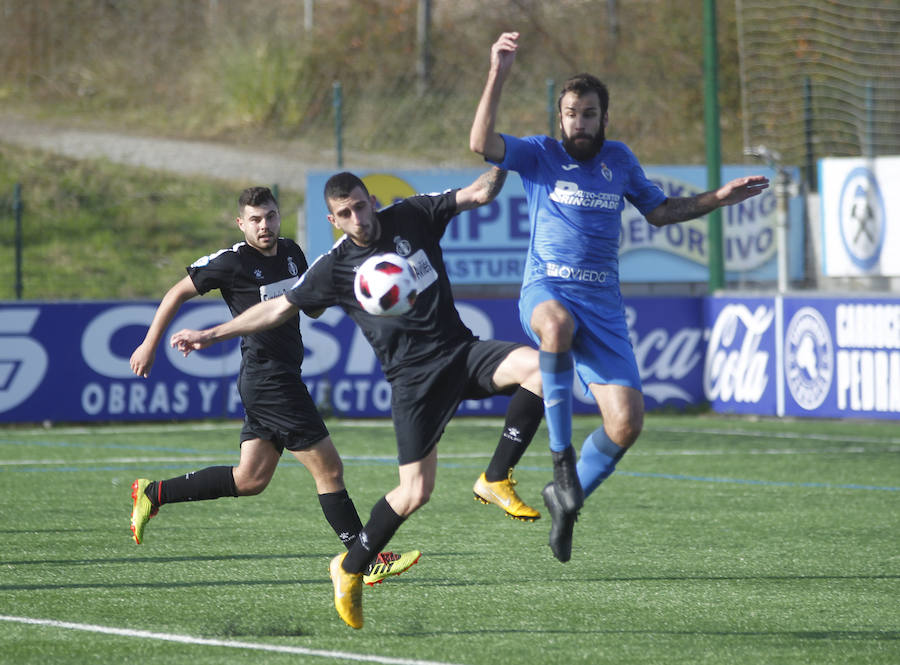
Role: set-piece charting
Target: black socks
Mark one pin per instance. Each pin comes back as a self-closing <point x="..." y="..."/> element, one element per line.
<point x="523" y="417"/>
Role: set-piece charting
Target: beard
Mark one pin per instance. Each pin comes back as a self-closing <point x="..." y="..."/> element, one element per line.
<point x="581" y="150"/>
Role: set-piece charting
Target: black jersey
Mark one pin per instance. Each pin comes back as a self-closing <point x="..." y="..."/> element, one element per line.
<point x="432" y="329"/>
<point x="245" y="277"/>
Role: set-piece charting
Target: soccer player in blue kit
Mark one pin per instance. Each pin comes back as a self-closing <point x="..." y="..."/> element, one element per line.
<point x="570" y="302"/>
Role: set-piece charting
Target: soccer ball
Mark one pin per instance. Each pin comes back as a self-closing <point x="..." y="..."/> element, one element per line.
<point x="385" y="285"/>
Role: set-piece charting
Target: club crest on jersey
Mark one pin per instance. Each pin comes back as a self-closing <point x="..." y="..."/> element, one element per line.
<point x="258" y="273"/>
<point x="604" y="169"/>
<point x="292" y="267"/>
<point x="401" y="246"/>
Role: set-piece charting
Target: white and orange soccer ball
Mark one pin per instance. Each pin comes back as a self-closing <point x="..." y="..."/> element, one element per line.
<point x="385" y="285"/>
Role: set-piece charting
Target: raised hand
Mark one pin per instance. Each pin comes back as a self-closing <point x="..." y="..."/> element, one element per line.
<point x="503" y="51"/>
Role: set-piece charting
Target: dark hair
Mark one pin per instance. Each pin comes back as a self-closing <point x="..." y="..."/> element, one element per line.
<point x="255" y="197"/>
<point x="340" y="185"/>
<point x="582" y="84"/>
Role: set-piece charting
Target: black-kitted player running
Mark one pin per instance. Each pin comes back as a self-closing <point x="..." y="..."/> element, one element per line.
<point x="431" y="359"/>
<point x="279" y="412"/>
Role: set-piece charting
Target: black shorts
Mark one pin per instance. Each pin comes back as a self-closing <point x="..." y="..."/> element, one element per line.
<point x="424" y="399"/>
<point x="278" y="407"/>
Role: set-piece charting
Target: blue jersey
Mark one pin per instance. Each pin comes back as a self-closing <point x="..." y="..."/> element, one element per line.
<point x="576" y="209"/>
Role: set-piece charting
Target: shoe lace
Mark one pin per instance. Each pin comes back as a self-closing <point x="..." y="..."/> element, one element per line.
<point x="512" y="481"/>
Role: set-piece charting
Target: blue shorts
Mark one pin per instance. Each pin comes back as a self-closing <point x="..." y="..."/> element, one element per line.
<point x="601" y="346"/>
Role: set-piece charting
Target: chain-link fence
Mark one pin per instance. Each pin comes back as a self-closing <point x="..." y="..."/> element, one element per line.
<point x="820" y="79"/>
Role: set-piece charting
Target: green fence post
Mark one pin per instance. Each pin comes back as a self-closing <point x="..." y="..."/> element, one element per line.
<point x="17" y="210"/>
<point x="338" y="103"/>
<point x="713" y="144"/>
<point x="551" y="108"/>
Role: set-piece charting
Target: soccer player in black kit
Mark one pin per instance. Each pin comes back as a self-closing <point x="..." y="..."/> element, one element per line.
<point x="279" y="410"/>
<point x="432" y="360"/>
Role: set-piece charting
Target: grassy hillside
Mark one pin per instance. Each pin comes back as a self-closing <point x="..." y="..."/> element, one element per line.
<point x="95" y="230"/>
<point x="243" y="71"/>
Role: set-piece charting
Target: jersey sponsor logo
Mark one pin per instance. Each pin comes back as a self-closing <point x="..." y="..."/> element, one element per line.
<point x="568" y="193"/>
<point x="426" y="275"/>
<point x="569" y="167"/>
<point x="275" y="289"/>
<point x="575" y="274"/>
<point x="808" y="358"/>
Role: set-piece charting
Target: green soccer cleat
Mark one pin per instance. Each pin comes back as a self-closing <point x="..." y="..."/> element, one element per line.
<point x="389" y="563"/>
<point x="347" y="592"/>
<point x="142" y="510"/>
<point x="502" y="493"/>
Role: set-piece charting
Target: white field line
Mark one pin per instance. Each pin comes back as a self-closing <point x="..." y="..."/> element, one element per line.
<point x="881" y="445"/>
<point x="478" y="422"/>
<point x="226" y="457"/>
<point x="113" y="460"/>
<point x="250" y="646"/>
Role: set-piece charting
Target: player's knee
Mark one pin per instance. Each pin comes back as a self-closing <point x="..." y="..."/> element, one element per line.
<point x="419" y="497"/>
<point x="250" y="487"/>
<point x="555" y="328"/>
<point x="250" y="484"/>
<point x="415" y="496"/>
<point x="625" y="431"/>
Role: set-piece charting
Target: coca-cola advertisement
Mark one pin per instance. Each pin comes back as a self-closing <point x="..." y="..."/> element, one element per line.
<point x="739" y="365"/>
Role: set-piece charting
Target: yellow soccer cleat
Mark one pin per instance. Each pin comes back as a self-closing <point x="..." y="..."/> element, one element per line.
<point x="502" y="493"/>
<point x="141" y="510"/>
<point x="347" y="592"/>
<point x="389" y="563"/>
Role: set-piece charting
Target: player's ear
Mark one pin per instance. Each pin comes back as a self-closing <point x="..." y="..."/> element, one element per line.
<point x="331" y="220"/>
<point x="605" y="119"/>
<point x="373" y="201"/>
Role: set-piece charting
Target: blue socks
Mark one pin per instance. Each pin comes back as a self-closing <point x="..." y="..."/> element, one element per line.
<point x="557" y="374"/>
<point x="599" y="456"/>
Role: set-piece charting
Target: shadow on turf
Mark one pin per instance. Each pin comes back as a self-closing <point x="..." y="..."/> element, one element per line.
<point x="878" y="635"/>
<point x="166" y="559"/>
<point x="161" y="585"/>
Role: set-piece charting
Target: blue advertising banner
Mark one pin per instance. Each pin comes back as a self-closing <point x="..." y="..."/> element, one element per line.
<point x="842" y="357"/>
<point x="69" y="362"/>
<point x="739" y="374"/>
<point x="487" y="245"/>
<point x="832" y="357"/>
<point x="811" y="356"/>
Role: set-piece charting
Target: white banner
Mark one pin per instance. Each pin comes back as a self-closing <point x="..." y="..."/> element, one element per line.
<point x="860" y="216"/>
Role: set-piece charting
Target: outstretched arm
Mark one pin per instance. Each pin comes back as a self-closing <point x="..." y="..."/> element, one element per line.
<point x="143" y="357"/>
<point x="683" y="208"/>
<point x="262" y="316"/>
<point x="483" y="138"/>
<point x="483" y="190"/>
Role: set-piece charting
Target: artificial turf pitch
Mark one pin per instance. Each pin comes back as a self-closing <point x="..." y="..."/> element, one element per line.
<point x="718" y="540"/>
